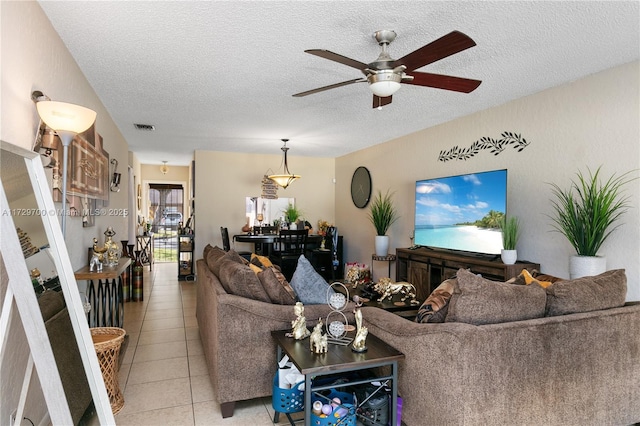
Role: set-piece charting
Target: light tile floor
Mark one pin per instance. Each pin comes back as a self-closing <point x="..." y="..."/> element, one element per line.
<point x="164" y="375"/>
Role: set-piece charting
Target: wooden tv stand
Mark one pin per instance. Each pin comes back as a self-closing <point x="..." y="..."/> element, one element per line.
<point x="426" y="268"/>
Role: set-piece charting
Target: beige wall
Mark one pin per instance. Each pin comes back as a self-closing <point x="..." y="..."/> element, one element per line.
<point x="591" y="122"/>
<point x="34" y="58"/>
<point x="224" y="180"/>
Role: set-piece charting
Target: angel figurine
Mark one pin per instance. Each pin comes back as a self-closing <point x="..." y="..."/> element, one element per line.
<point x="359" y="343"/>
<point x="299" y="325"/>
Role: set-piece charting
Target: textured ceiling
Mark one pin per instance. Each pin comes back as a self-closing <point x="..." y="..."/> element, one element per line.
<point x="220" y="75"/>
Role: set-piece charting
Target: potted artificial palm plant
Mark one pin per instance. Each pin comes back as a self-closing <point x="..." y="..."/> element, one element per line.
<point x="382" y="214"/>
<point x="585" y="213"/>
<point x="510" y="228"/>
<point x="291" y="215"/>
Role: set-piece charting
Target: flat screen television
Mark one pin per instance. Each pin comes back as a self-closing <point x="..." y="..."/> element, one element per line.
<point x="461" y="212"/>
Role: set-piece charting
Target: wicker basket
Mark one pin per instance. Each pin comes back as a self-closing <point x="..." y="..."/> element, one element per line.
<point x="107" y="341"/>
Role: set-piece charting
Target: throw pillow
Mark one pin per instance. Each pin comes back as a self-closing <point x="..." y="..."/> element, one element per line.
<point x="256" y="269"/>
<point x="604" y="291"/>
<point x="214" y="255"/>
<point x="233" y="255"/>
<point x="528" y="279"/>
<point x="277" y="287"/>
<point x="434" y="308"/>
<point x="261" y="261"/>
<point x="310" y="287"/>
<point x="479" y="301"/>
<point x="206" y="250"/>
<point x="240" y="280"/>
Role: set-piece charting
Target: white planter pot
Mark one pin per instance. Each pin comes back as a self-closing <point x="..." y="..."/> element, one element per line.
<point x="584" y="266"/>
<point x="509" y="257"/>
<point x="293" y="226"/>
<point x="382" y="245"/>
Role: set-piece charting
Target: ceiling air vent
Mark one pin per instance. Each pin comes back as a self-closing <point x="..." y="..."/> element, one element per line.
<point x="145" y="127"/>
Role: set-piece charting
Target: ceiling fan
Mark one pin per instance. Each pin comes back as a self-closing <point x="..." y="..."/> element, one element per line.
<point x="385" y="74"/>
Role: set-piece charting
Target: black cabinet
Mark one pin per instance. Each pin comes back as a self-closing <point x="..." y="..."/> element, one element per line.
<point x="426" y="268"/>
<point x="323" y="259"/>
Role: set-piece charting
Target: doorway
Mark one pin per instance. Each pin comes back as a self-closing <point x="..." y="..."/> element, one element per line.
<point x="167" y="210"/>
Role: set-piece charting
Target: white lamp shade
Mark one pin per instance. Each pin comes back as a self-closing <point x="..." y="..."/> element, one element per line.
<point x="384" y="88"/>
<point x="384" y="83"/>
<point x="65" y="117"/>
<point x="284" y="180"/>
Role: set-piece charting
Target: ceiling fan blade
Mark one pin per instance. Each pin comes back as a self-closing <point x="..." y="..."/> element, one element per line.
<point x="447" y="45"/>
<point x="326" y="54"/>
<point x="379" y="102"/>
<point x="331" y="86"/>
<point x="446" y="82"/>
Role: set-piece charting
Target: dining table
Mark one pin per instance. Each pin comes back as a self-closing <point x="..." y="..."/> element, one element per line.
<point x="262" y="243"/>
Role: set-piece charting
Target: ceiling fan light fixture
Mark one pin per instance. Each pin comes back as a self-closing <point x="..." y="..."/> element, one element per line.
<point x="384" y="83"/>
<point x="286" y="178"/>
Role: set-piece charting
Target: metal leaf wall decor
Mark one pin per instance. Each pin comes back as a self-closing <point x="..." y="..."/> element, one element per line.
<point x="496" y="146"/>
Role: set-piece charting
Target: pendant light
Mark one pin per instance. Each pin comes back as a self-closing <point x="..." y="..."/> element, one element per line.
<point x="284" y="179"/>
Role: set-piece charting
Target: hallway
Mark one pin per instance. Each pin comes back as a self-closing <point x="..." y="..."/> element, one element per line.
<point x="164" y="374"/>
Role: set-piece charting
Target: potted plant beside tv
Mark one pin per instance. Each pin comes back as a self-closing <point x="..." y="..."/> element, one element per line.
<point x="382" y="214"/>
<point x="510" y="228"/>
<point x="585" y="213"/>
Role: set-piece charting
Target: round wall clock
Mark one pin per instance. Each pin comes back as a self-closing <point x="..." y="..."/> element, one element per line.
<point x="361" y="187"/>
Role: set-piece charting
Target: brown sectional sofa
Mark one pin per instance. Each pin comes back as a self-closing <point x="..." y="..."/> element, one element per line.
<point x="574" y="369"/>
<point x="236" y="335"/>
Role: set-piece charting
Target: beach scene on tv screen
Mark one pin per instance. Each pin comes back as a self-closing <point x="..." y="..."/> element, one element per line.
<point x="462" y="212"/>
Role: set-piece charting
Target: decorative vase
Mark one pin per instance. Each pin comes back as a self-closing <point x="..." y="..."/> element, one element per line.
<point x="126" y="274"/>
<point x="112" y="247"/>
<point x="132" y="255"/>
<point x="509" y="257"/>
<point x="583" y="266"/>
<point x="246" y="227"/>
<point x="382" y="245"/>
<point x="138" y="283"/>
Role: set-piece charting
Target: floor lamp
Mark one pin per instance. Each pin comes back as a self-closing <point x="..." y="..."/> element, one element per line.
<point x="67" y="120"/>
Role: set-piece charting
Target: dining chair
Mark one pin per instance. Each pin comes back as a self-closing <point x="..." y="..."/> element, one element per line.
<point x="226" y="243"/>
<point x="291" y="244"/>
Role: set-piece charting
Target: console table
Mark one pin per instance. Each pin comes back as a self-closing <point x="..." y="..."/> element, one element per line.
<point x="339" y="359"/>
<point x="426" y="268"/>
<point x="104" y="291"/>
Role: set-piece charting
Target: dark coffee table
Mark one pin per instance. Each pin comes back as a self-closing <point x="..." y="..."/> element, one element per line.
<point x="339" y="359"/>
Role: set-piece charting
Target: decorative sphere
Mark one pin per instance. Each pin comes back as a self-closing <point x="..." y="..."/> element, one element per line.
<point x="337" y="300"/>
<point x="336" y="328"/>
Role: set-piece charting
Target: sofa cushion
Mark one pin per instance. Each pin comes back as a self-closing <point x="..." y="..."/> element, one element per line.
<point x="261" y="261"/>
<point x="435" y="307"/>
<point x="228" y="256"/>
<point x="276" y="286"/>
<point x="240" y="280"/>
<point x="309" y="286"/>
<point x="233" y="255"/>
<point x="206" y="250"/>
<point x="607" y="290"/>
<point x="480" y="301"/>
<point x="212" y="256"/>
